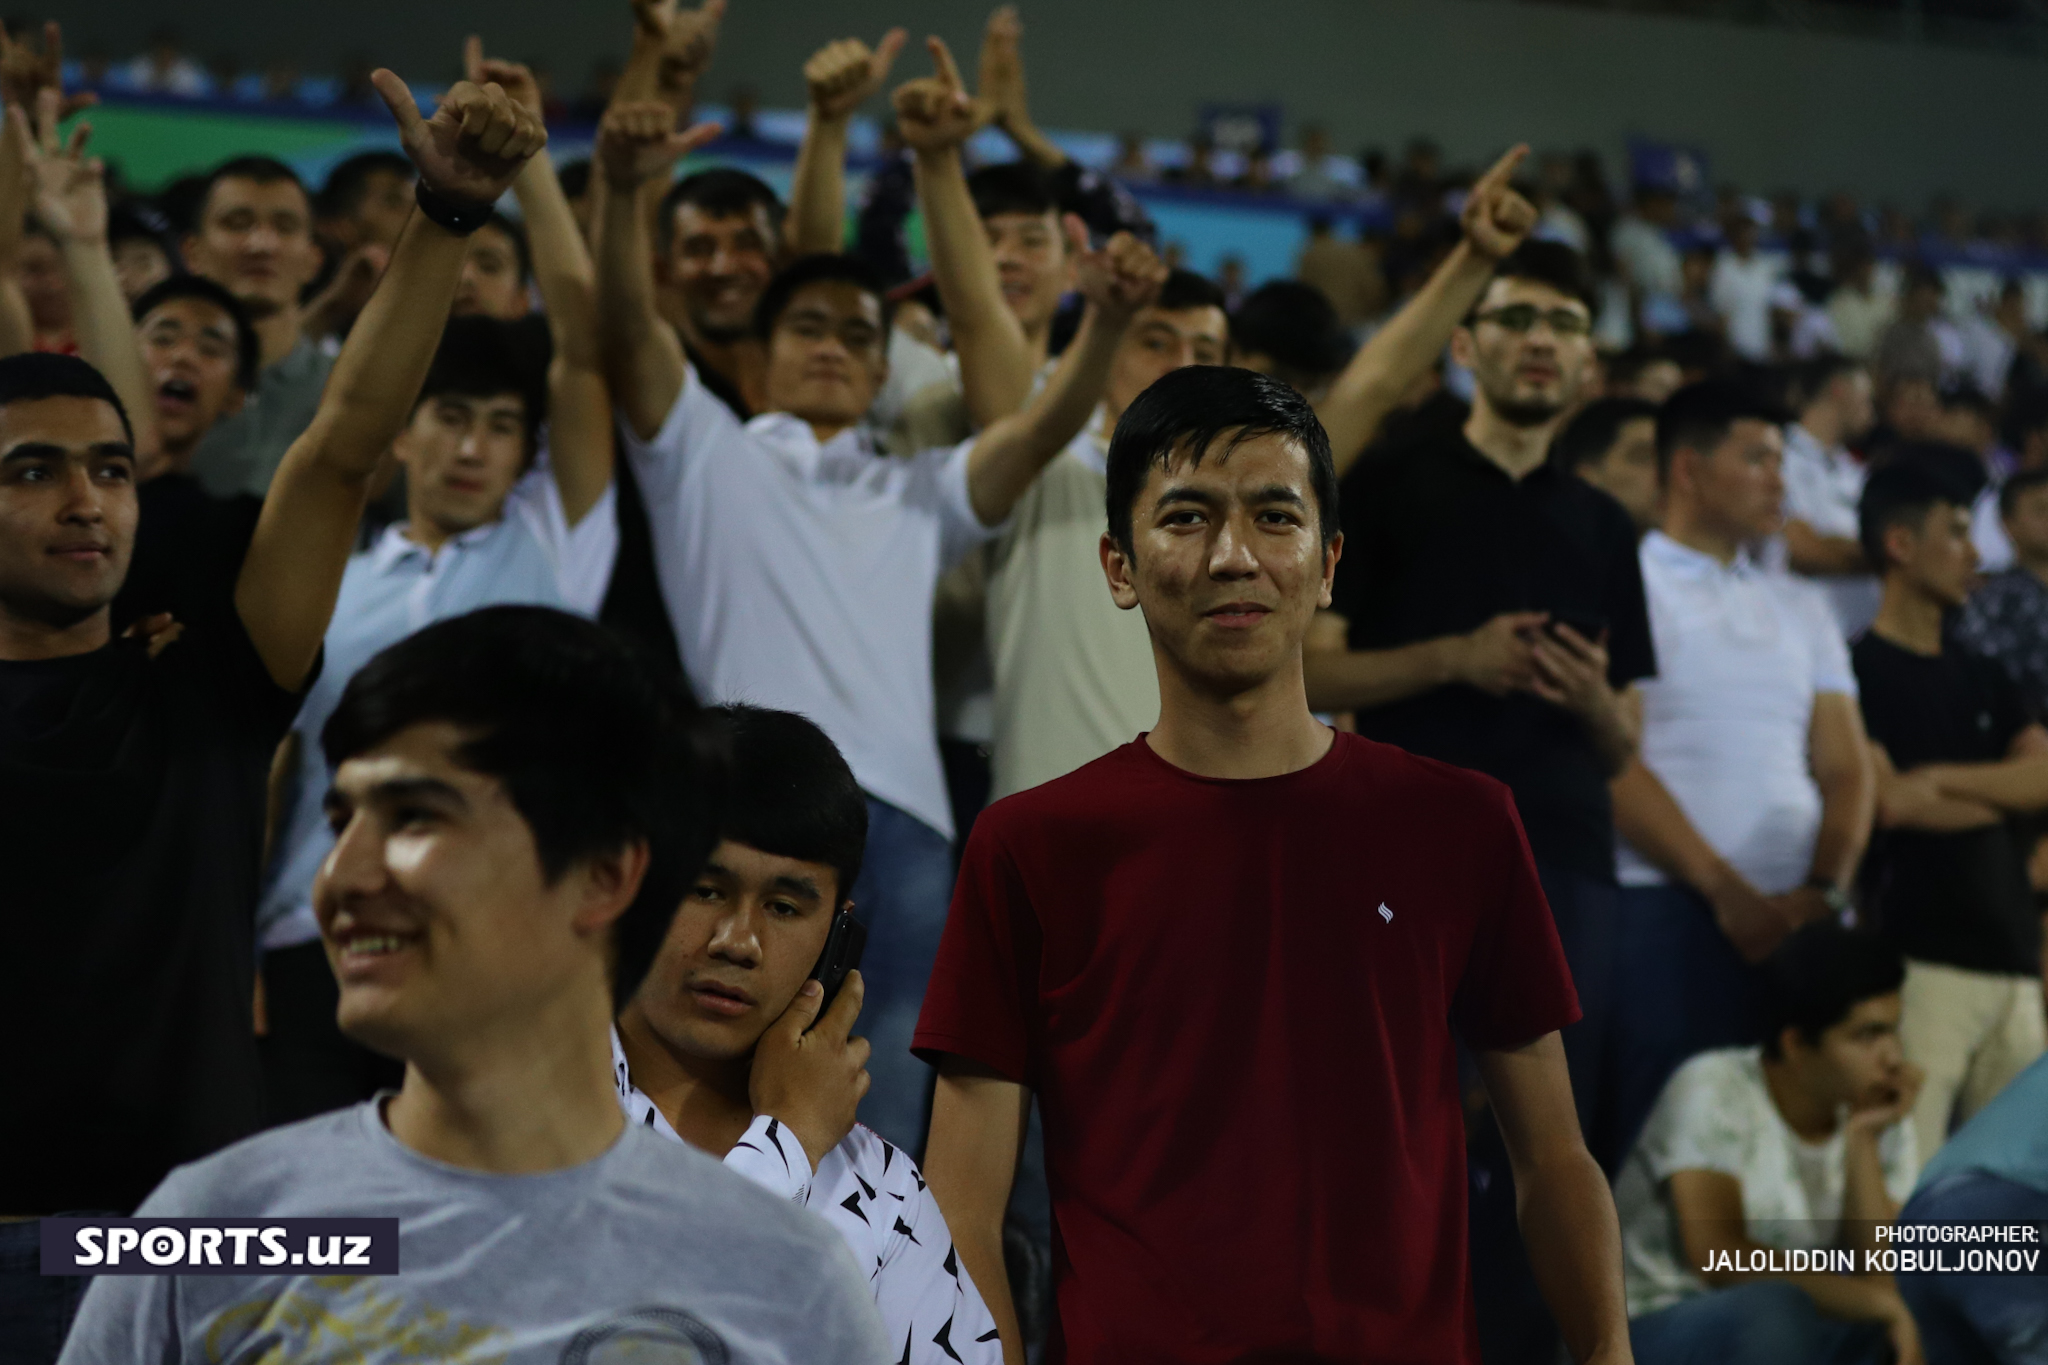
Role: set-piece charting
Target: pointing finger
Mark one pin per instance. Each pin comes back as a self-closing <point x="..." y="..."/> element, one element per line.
<point x="398" y="99"/>
<point x="1502" y="170"/>
<point x="473" y="58"/>
<point x="886" y="52"/>
<point x="942" y="59"/>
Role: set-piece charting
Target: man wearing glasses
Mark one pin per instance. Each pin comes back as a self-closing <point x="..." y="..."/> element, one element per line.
<point x="1494" y="611"/>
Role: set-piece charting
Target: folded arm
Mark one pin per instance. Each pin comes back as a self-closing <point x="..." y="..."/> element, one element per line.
<point x="2016" y="783"/>
<point x="1810" y="552"/>
<point x="1913" y="800"/>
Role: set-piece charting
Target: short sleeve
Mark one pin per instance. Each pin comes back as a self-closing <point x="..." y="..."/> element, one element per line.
<point x="984" y="983"/>
<point x="2010" y="713"/>
<point x="1516" y="986"/>
<point x="215" y="665"/>
<point x="1805" y="498"/>
<point x="583" y="554"/>
<point x="1829" y="652"/>
<point x="696" y="421"/>
<point x="943" y="474"/>
<point x="1631" y="650"/>
<point x="1702" y="1121"/>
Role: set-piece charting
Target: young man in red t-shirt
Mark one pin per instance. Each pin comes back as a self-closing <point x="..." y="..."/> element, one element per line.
<point x="1233" y="958"/>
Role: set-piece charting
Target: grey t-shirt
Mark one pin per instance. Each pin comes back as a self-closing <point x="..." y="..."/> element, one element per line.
<point x="242" y="452"/>
<point x="651" y="1252"/>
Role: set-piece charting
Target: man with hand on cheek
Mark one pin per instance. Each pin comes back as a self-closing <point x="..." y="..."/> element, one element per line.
<point x="723" y="1047"/>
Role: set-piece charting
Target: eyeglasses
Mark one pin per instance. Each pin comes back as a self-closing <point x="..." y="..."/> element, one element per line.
<point x="1523" y="317"/>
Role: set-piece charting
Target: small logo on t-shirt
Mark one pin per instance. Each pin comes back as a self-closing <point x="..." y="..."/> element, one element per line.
<point x="1385" y="913"/>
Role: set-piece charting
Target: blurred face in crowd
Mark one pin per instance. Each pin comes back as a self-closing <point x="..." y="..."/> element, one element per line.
<point x="438" y="918"/>
<point x="1227" y="562"/>
<point x="828" y="356"/>
<point x="719" y="264"/>
<point x="44" y="285"/>
<point x="1937" y="556"/>
<point x="256" y="238"/>
<point x="1529" y="347"/>
<point x="737" y="952"/>
<point x="489" y="284"/>
<point x="1858" y="1061"/>
<point x="1969" y="427"/>
<point x="1913" y="410"/>
<point x="190" y="350"/>
<point x="67" y="509"/>
<point x="1032" y="263"/>
<point x="2027" y="527"/>
<point x="1159" y="342"/>
<point x="1654" y="382"/>
<point x="387" y="202"/>
<point x="141" y="264"/>
<point x="1628" y="471"/>
<point x="1854" y="403"/>
<point x="1737" y="489"/>
<point x="462" y="454"/>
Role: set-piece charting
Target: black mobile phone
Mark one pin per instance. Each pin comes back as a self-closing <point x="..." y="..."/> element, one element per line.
<point x="844" y="944"/>
<point x="1588" y="625"/>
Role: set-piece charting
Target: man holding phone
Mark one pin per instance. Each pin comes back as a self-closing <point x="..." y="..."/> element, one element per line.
<point x="737" y="1042"/>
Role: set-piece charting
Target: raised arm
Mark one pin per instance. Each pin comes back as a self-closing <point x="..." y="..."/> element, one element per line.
<point x="2017" y="783"/>
<point x="579" y="404"/>
<point x="1561" y="1199"/>
<point x="71" y="201"/>
<point x="1118" y="280"/>
<point x="840" y="77"/>
<point x="1000" y="83"/>
<point x="997" y="364"/>
<point x="467" y="154"/>
<point x="17" y="328"/>
<point x="672" y="47"/>
<point x="1496" y="220"/>
<point x="970" y="1161"/>
<point x="642" y="357"/>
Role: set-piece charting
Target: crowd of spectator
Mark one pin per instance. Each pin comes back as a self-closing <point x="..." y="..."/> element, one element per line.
<point x="1527" y="737"/>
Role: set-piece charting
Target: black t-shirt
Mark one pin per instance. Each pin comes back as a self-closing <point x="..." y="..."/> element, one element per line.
<point x="189" y="547"/>
<point x="1438" y="540"/>
<point x="1960" y="899"/>
<point x="131" y="826"/>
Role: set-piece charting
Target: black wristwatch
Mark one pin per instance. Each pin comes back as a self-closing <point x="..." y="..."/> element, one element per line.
<point x="1837" y="899"/>
<point x="459" y="216"/>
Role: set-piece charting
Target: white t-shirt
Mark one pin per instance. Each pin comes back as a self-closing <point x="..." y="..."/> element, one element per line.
<point x="1741" y="654"/>
<point x="800" y="577"/>
<point x="1740" y="291"/>
<point x="1823" y="487"/>
<point x="873" y="1196"/>
<point x="1716" y="1114"/>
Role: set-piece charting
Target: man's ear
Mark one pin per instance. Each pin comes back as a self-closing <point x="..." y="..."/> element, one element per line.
<point x="608" y="884"/>
<point x="1333" y="552"/>
<point x="1461" y="345"/>
<point x="1117" y="567"/>
<point x="1898" y="545"/>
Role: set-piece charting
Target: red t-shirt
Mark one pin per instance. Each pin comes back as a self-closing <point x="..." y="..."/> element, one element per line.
<point x="1235" y="1001"/>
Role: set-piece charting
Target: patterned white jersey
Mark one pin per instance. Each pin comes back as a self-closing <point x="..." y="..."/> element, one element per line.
<point x="874" y="1196"/>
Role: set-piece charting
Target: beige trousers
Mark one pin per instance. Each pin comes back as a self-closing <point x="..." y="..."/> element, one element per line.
<point x="1971" y="1032"/>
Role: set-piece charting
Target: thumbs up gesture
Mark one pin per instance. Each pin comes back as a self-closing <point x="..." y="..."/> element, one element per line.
<point x="474" y="145"/>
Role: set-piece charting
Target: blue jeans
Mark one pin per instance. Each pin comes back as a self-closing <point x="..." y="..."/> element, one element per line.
<point x="904" y="890"/>
<point x="1762" y="1323"/>
<point x="1978" y="1319"/>
<point x="35" y="1309"/>
<point x="1682" y="990"/>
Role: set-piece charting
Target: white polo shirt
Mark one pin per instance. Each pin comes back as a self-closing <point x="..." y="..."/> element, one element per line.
<point x="799" y="576"/>
<point x="1741" y="654"/>
<point x="1823" y="486"/>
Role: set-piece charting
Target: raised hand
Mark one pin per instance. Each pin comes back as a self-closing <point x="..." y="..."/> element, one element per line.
<point x="812" y="1079"/>
<point x="1000" y="82"/>
<point x="17" y="181"/>
<point x="842" y="75"/>
<point x="474" y="145"/>
<point x="25" y="73"/>
<point x="1495" y="219"/>
<point x="515" y="78"/>
<point x="639" y="141"/>
<point x="935" y="112"/>
<point x="1874" y="1119"/>
<point x="1121" y="278"/>
<point x="686" y="40"/>
<point x="70" y="190"/>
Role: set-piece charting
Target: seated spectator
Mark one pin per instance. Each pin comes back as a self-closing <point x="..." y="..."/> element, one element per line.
<point x="1741" y="288"/>
<point x="1823" y="484"/>
<point x="1747" y="809"/>
<point x="133" y="822"/>
<point x="164" y="70"/>
<point x="1994" y="1170"/>
<point x="1921" y="343"/>
<point x="876" y="531"/>
<point x="2006" y="619"/>
<point x="1858" y="308"/>
<point x="1313" y="183"/>
<point x="517" y="812"/>
<point x="1645" y="373"/>
<point x="1612" y="444"/>
<point x="724" y="1045"/>
<point x="1642" y="247"/>
<point x="1958" y="755"/>
<point x="1751" y="1153"/>
<point x="254" y="235"/>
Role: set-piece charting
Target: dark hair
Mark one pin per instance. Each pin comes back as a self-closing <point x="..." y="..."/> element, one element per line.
<point x="1967" y="397"/>
<point x="1012" y="187"/>
<point x="30" y="375"/>
<point x="1550" y="263"/>
<point x="1185" y="289"/>
<point x="1588" y="437"/>
<point x="515" y="230"/>
<point x="1819" y="974"/>
<point x="574" y="177"/>
<point x="1295" y="324"/>
<point x="789" y="791"/>
<point x="2025" y="481"/>
<point x="349" y="182"/>
<point x="1910" y="482"/>
<point x="248" y="348"/>
<point x="721" y="192"/>
<point x="1812" y="379"/>
<point x="1700" y="415"/>
<point x="1628" y="367"/>
<point x="263" y="170"/>
<point x="812" y="269"/>
<point x="483" y="357"/>
<point x="2025" y="414"/>
<point x="134" y="220"/>
<point x="1193" y="408"/>
<point x="594" y="750"/>
<point x="1921" y="275"/>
